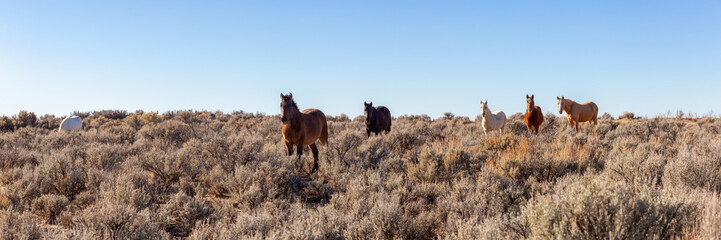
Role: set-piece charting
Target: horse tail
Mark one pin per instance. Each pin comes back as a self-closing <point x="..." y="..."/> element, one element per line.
<point x="324" y="130"/>
<point x="390" y="119"/>
<point x="595" y="113"/>
<point x="595" y="109"/>
<point x="503" y="119"/>
<point x="540" y="116"/>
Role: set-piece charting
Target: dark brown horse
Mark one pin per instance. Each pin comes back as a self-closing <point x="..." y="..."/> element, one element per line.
<point x="302" y="128"/>
<point x="378" y="119"/>
<point x="533" y="116"/>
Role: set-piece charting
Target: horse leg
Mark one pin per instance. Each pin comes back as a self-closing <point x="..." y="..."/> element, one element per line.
<point x="324" y="133"/>
<point x="314" y="149"/>
<point x="576" y="123"/>
<point x="570" y="122"/>
<point x="368" y="132"/>
<point x="299" y="150"/>
<point x="289" y="147"/>
<point x="529" y="129"/>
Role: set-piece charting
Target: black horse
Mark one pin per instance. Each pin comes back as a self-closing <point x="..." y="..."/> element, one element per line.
<point x="378" y="119"/>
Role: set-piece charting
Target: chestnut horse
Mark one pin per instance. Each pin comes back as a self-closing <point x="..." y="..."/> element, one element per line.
<point x="533" y="116"/>
<point x="378" y="119"/>
<point x="584" y="112"/>
<point x="302" y="128"/>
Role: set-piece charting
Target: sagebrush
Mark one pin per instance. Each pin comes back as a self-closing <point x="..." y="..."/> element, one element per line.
<point x="214" y="175"/>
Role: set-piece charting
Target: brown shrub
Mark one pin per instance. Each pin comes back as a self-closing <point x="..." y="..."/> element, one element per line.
<point x="225" y="176"/>
<point x="181" y="213"/>
<point x="118" y="221"/>
<point x="24" y="119"/>
<point x="167" y="133"/>
<point x="586" y="207"/>
<point x="18" y="225"/>
<point x="49" y="206"/>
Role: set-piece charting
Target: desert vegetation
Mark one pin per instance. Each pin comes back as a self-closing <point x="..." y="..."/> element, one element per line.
<point x="213" y="175"/>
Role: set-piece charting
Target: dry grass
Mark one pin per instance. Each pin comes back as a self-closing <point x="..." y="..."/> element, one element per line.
<point x="200" y="175"/>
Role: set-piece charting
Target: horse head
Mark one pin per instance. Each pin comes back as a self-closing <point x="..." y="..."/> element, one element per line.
<point x="484" y="108"/>
<point x="368" y="112"/>
<point x="287" y="107"/>
<point x="530" y="104"/>
<point x="560" y="104"/>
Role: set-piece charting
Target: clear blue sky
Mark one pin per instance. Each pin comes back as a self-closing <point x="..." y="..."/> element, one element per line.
<point x="416" y="57"/>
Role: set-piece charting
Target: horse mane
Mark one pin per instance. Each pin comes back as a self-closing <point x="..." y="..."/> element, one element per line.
<point x="568" y="104"/>
<point x="294" y="105"/>
<point x="570" y="100"/>
<point x="295" y="121"/>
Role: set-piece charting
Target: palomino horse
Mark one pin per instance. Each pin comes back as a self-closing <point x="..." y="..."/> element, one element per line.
<point x="378" y="119"/>
<point x="492" y="120"/>
<point x="584" y="112"/>
<point x="533" y="116"/>
<point x="302" y="128"/>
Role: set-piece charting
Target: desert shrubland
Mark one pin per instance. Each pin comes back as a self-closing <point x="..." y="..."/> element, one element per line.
<point x="214" y="175"/>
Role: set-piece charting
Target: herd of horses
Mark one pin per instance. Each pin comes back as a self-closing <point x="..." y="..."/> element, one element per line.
<point x="304" y="128"/>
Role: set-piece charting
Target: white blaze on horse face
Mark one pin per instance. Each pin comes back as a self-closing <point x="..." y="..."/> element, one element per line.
<point x="530" y="104"/>
<point x="483" y="112"/>
<point x="560" y="106"/>
<point x="484" y="105"/>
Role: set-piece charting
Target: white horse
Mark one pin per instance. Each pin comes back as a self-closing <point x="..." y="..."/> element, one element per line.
<point x="492" y="121"/>
<point x="72" y="123"/>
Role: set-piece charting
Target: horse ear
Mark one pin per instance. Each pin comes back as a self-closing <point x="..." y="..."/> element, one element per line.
<point x="370" y="104"/>
<point x="531" y="95"/>
<point x="562" y="97"/>
<point x="527" y="96"/>
<point x="290" y="94"/>
<point x="558" y="98"/>
<point x="281" y="96"/>
<point x="365" y="103"/>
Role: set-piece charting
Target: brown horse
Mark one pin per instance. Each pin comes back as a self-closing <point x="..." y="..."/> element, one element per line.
<point x="584" y="112"/>
<point x="533" y="116"/>
<point x="378" y="119"/>
<point x="302" y="128"/>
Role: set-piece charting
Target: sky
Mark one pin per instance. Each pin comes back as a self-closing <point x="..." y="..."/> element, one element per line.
<point x="415" y="57"/>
